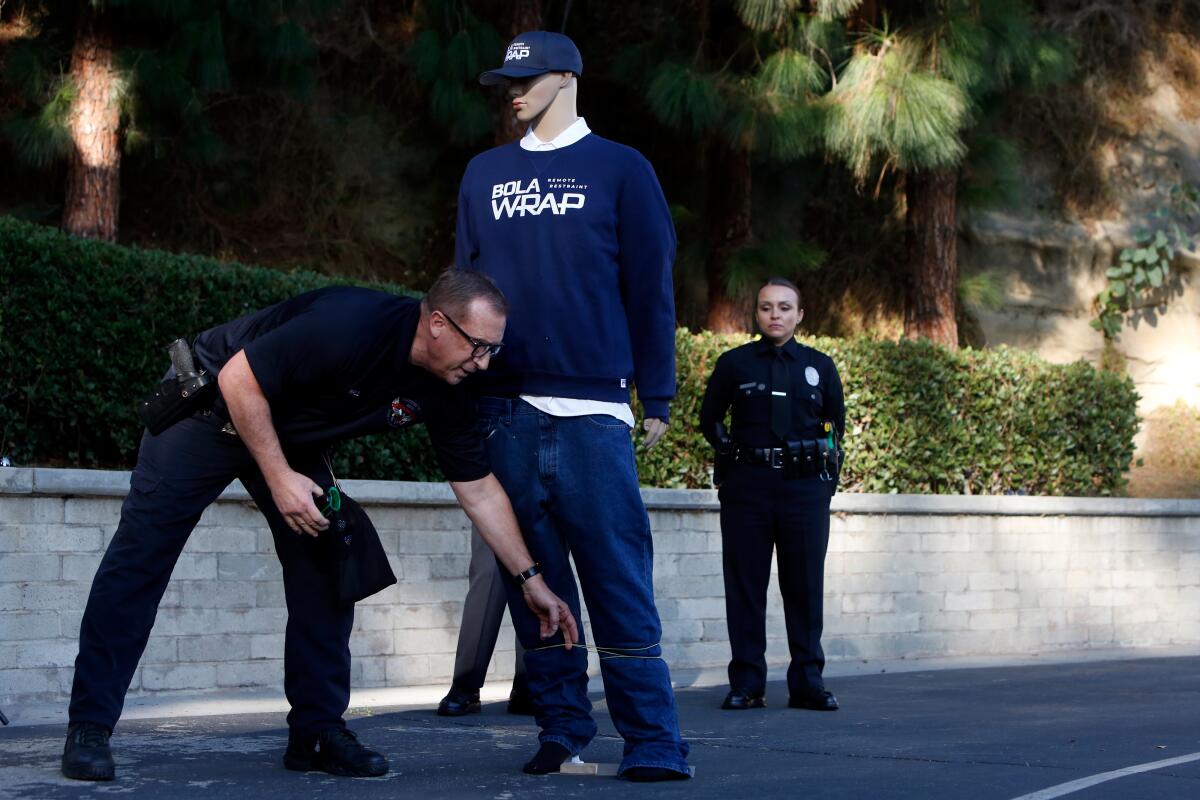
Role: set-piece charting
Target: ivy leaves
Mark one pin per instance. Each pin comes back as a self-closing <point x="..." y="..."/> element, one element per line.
<point x="1141" y="270"/>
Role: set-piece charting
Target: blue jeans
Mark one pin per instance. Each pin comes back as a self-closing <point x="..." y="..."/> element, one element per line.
<point x="573" y="486"/>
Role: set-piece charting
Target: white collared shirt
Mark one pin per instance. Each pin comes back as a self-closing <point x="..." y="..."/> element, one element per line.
<point x="570" y="406"/>
<point x="569" y="136"/>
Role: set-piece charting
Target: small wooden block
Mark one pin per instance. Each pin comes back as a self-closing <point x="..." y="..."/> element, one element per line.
<point x="598" y="768"/>
<point x="589" y="768"/>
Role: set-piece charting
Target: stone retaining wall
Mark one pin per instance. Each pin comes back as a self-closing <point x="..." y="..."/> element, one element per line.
<point x="907" y="576"/>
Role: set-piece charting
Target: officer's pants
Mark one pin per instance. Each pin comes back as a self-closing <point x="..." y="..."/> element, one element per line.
<point x="761" y="512"/>
<point x="483" y="612"/>
<point x="178" y="474"/>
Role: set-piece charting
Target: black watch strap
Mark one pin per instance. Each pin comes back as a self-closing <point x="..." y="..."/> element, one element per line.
<point x="521" y="577"/>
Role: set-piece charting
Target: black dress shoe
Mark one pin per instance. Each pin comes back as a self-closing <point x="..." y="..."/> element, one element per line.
<point x="335" y="751"/>
<point x="736" y="701"/>
<point x="459" y="704"/>
<point x="814" y="700"/>
<point x="520" y="701"/>
<point x="87" y="756"/>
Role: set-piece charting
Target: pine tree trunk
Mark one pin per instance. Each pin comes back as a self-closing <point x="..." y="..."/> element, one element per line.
<point x="526" y="16"/>
<point x="729" y="197"/>
<point x="932" y="257"/>
<point x="864" y="17"/>
<point x="94" y="175"/>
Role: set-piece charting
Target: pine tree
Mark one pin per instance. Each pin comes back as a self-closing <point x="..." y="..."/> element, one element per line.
<point x="526" y="16"/>
<point x="100" y="77"/>
<point x="453" y="47"/>
<point x="739" y="84"/>
<point x="93" y="197"/>
<point x="897" y="90"/>
<point x="918" y="81"/>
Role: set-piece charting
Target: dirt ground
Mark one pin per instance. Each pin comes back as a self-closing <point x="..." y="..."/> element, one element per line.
<point x="1170" y="456"/>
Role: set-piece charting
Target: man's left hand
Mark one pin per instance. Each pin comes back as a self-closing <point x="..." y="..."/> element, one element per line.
<point x="655" y="428"/>
<point x="552" y="613"/>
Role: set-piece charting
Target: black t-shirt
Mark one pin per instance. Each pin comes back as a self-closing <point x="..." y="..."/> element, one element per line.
<point x="333" y="364"/>
<point x="741" y="380"/>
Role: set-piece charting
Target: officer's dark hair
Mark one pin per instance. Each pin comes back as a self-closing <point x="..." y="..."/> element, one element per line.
<point x="455" y="289"/>
<point x="778" y="281"/>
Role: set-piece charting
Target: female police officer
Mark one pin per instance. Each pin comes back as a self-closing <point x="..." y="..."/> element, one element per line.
<point x="776" y="471"/>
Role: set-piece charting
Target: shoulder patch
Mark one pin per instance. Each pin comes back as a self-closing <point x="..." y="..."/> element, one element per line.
<point x="403" y="412"/>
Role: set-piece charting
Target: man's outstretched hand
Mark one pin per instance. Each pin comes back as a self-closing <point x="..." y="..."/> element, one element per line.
<point x="552" y="613"/>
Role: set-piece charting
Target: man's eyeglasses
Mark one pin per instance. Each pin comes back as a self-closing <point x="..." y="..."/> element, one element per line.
<point x="479" y="348"/>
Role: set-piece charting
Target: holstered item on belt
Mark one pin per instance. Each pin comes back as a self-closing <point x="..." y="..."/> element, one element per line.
<point x="724" y="457"/>
<point x="178" y="397"/>
<point x="831" y="455"/>
<point x="801" y="459"/>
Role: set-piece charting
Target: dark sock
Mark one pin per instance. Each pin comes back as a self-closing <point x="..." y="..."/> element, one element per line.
<point x="550" y="756"/>
<point x="653" y="774"/>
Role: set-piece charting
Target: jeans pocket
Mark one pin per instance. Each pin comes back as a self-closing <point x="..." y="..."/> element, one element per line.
<point x="606" y="422"/>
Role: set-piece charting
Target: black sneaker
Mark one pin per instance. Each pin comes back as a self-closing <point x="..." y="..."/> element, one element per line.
<point x="87" y="756"/>
<point x="654" y="775"/>
<point x="335" y="751"/>
<point x="549" y="758"/>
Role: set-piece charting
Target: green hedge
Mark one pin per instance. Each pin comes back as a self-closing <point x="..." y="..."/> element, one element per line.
<point x="83" y="324"/>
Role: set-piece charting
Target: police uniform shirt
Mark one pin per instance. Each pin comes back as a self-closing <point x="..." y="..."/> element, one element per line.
<point x="742" y="379"/>
<point x="333" y="364"/>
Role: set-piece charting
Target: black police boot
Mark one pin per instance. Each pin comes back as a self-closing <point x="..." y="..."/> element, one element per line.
<point x="87" y="756"/>
<point x="820" y="699"/>
<point x="740" y="701"/>
<point x="458" y="703"/>
<point x="335" y="751"/>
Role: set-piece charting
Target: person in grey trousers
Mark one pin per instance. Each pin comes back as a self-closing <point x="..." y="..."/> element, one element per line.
<point x="483" y="611"/>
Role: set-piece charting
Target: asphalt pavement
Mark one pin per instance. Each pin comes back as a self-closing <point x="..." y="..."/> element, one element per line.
<point x="1124" y="729"/>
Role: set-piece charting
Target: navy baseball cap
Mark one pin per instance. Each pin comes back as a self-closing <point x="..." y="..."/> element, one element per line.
<point x="533" y="53"/>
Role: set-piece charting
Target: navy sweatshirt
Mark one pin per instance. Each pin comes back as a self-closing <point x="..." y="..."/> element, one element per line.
<point x="581" y="242"/>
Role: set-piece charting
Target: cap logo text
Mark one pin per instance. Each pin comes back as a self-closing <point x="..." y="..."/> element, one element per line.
<point x="516" y="52"/>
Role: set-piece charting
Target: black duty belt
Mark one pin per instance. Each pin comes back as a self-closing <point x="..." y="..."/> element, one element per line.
<point x="773" y="457"/>
<point x="800" y="459"/>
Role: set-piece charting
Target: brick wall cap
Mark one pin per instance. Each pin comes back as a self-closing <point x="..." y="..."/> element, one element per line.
<point x="111" y="483"/>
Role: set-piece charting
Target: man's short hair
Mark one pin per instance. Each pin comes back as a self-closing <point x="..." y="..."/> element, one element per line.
<point x="779" y="281"/>
<point x="455" y="289"/>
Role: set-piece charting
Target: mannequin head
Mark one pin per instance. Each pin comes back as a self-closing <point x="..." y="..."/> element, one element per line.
<point x="539" y="76"/>
<point x="544" y="101"/>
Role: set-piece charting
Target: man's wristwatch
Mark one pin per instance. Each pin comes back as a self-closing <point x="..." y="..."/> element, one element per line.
<point x="521" y="577"/>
